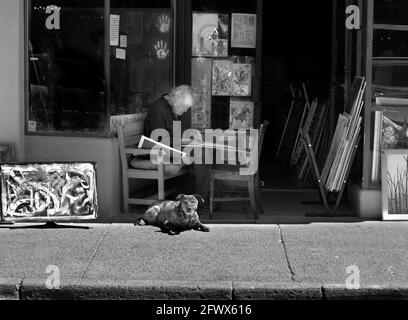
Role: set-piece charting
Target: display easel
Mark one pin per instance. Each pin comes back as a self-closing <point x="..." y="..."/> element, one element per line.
<point x="292" y="91"/>
<point x="306" y="110"/>
<point x="323" y="193"/>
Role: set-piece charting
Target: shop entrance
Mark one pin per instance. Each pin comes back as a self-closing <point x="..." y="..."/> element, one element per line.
<point x="297" y="51"/>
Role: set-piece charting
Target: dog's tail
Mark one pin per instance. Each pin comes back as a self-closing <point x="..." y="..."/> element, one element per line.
<point x="140" y="222"/>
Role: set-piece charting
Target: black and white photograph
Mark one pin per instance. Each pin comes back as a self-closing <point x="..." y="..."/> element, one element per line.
<point x="203" y="158"/>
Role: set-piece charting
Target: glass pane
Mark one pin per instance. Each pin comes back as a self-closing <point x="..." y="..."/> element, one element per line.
<point x="388" y="43"/>
<point x="66" y="67"/>
<point x="390" y="75"/>
<point x="142" y="62"/>
<point x="391" y="11"/>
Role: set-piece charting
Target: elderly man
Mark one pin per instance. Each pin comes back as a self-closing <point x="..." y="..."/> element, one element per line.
<point x="161" y="115"/>
<point x="167" y="109"/>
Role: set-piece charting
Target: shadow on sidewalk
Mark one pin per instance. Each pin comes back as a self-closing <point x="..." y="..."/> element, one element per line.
<point x="49" y="225"/>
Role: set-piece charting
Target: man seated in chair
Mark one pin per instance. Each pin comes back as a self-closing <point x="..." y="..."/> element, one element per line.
<point x="161" y="115"/>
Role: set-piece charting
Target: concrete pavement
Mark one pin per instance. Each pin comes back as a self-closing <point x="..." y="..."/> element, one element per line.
<point x="120" y="261"/>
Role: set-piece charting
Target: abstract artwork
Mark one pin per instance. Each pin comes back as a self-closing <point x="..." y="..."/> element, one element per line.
<point x="49" y="191"/>
<point x="222" y="76"/>
<point x="242" y="79"/>
<point x="241" y="114"/>
<point x="243" y="30"/>
<point x="210" y="35"/>
<point x="201" y="69"/>
<point x="394" y="184"/>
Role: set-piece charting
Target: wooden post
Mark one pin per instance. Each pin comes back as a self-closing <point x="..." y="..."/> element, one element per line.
<point x="368" y="65"/>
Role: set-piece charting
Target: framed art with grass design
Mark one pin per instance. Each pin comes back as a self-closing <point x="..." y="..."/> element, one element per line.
<point x="395" y="184"/>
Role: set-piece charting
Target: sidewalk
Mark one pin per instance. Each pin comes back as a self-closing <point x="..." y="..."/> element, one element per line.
<point x="120" y="261"/>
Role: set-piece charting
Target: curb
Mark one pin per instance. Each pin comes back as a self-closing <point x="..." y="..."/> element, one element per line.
<point x="273" y="291"/>
<point x="9" y="289"/>
<point x="129" y="290"/>
<point x="184" y="290"/>
<point x="383" y="292"/>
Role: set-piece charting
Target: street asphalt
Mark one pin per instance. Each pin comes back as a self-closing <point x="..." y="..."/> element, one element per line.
<point x="291" y="261"/>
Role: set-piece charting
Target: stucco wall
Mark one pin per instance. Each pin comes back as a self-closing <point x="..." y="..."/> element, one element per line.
<point x="12" y="75"/>
<point x="103" y="151"/>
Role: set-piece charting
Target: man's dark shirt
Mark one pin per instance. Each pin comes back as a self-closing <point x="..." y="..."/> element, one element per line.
<point x="159" y="116"/>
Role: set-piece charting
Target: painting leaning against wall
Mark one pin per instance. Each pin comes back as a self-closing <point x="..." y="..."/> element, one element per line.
<point x="49" y="191"/>
<point x="395" y="184"/>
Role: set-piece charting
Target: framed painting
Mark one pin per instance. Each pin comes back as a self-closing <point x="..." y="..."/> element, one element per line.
<point x="395" y="184"/>
<point x="241" y="114"/>
<point x="210" y="35"/>
<point x="36" y="192"/>
<point x="243" y="30"/>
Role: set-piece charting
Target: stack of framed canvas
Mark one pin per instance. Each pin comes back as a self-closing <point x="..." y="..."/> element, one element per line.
<point x="334" y="176"/>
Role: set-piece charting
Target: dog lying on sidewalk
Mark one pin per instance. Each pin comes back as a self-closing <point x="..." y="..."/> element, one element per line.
<point x="173" y="217"/>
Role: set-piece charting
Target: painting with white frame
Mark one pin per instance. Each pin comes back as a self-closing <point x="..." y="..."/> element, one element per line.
<point x="395" y="184"/>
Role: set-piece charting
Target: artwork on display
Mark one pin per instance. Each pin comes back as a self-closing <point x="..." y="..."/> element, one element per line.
<point x="390" y="129"/>
<point x="210" y="34"/>
<point x="394" y="184"/>
<point x="243" y="30"/>
<point x="49" y="191"/>
<point x="222" y="77"/>
<point x="242" y="79"/>
<point x="241" y="114"/>
<point x="201" y="69"/>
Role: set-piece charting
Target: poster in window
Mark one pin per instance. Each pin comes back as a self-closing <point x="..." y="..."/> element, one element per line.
<point x="222" y="77"/>
<point x="201" y="69"/>
<point x="243" y="30"/>
<point x="49" y="191"/>
<point x="241" y="114"/>
<point x="210" y="35"/>
<point x="242" y="79"/>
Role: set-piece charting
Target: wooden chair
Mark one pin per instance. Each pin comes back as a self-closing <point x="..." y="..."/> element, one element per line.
<point x="129" y="135"/>
<point x="232" y="173"/>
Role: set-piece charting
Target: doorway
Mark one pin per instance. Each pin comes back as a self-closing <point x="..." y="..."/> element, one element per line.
<point x="297" y="50"/>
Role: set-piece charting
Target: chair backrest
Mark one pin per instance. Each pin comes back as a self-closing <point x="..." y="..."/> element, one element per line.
<point x="128" y="133"/>
<point x="253" y="150"/>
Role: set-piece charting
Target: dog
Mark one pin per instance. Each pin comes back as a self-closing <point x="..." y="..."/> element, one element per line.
<point x="173" y="217"/>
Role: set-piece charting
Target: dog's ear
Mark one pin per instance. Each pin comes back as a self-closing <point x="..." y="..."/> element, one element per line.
<point x="199" y="198"/>
<point x="179" y="197"/>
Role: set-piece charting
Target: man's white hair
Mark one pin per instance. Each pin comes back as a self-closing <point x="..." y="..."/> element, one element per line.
<point x="178" y="94"/>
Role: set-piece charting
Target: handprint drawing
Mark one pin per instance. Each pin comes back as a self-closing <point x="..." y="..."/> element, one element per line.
<point x="161" y="50"/>
<point x="163" y="23"/>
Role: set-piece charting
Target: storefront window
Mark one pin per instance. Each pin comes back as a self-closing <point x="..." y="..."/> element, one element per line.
<point x="142" y="64"/>
<point x="69" y="74"/>
<point x="66" y="67"/>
